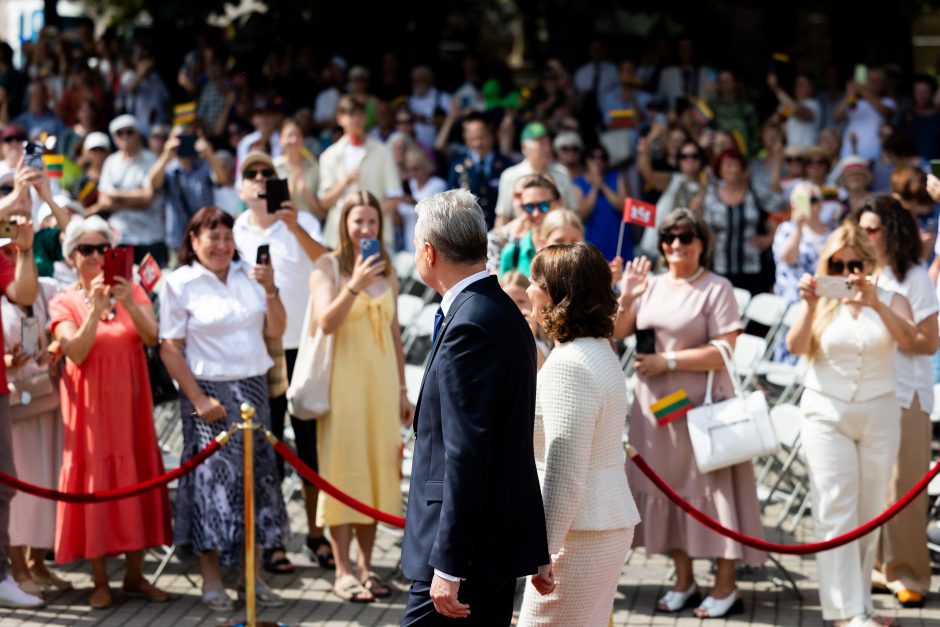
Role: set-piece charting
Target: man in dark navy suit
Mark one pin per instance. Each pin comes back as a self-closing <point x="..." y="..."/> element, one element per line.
<point x="475" y="520"/>
<point x="478" y="167"/>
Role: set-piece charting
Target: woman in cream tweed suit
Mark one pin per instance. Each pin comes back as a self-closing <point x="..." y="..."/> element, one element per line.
<point x="581" y="406"/>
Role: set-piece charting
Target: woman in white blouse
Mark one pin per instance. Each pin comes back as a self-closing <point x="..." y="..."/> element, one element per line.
<point x="214" y="315"/>
<point x="581" y="406"/>
<point x="851" y="427"/>
<point x="902" y="561"/>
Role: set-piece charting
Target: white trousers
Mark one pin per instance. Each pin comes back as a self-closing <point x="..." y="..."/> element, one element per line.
<point x="850" y="450"/>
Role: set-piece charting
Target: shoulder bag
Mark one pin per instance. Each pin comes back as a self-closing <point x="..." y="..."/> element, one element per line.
<point x="308" y="396"/>
<point x="731" y="431"/>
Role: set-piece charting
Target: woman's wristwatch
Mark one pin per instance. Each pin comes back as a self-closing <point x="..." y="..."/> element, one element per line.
<point x="670" y="360"/>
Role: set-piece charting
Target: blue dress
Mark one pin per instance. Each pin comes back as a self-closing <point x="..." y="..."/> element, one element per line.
<point x="602" y="227"/>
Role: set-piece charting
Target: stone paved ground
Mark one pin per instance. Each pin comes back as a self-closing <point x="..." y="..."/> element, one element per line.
<point x="310" y="602"/>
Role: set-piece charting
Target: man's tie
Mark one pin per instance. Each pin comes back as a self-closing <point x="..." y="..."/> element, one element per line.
<point x="438" y="321"/>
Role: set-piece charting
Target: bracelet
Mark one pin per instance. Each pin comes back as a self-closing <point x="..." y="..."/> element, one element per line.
<point x="351" y="290"/>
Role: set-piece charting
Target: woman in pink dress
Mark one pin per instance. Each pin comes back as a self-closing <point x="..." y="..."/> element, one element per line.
<point x="109" y="439"/>
<point x="686" y="308"/>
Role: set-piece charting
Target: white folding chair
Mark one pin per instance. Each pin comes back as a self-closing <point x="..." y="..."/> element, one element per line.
<point x="768" y="310"/>
<point x="413" y="376"/>
<point x="409" y="306"/>
<point x="743" y="297"/>
<point x="421" y="327"/>
<point x="748" y="350"/>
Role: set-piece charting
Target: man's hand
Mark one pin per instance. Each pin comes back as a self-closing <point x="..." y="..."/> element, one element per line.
<point x="444" y="595"/>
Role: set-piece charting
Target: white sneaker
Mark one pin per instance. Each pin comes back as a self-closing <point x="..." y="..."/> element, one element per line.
<point x="12" y="596"/>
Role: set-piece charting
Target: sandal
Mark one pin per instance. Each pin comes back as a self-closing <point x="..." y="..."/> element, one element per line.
<point x="350" y="590"/>
<point x="909" y="598"/>
<point x="147" y="591"/>
<point x="277" y="566"/>
<point x="373" y="584"/>
<point x="312" y="548"/>
<point x="49" y="579"/>
<point x="264" y="596"/>
<point x="217" y="600"/>
<point x="677" y="600"/>
<point x="100" y="598"/>
<point x="719" y="608"/>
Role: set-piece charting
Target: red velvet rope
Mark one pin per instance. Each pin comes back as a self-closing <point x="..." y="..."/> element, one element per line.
<point x="307" y="473"/>
<point x="117" y="493"/>
<point x="792" y="549"/>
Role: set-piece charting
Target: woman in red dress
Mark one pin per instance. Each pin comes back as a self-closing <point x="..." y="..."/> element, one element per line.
<point x="109" y="439"/>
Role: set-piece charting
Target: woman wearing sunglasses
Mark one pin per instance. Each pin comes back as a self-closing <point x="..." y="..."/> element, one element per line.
<point x="902" y="561"/>
<point x="686" y="309"/>
<point x="538" y="196"/>
<point x="851" y="415"/>
<point x="109" y="439"/>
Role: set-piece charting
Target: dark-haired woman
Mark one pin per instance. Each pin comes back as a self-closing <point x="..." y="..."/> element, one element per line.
<point x="214" y="316"/>
<point x="579" y="410"/>
<point x="600" y="204"/>
<point x="903" y="562"/>
<point x="687" y="308"/>
<point x="358" y="439"/>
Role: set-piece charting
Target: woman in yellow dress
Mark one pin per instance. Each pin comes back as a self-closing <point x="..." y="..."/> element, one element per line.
<point x="358" y="440"/>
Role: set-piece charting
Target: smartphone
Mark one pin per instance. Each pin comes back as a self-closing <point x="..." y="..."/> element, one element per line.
<point x="263" y="256"/>
<point x="935" y="167"/>
<point x="801" y="205"/>
<point x="645" y="341"/>
<point x="860" y="75"/>
<point x="187" y="147"/>
<point x="275" y="193"/>
<point x="118" y="262"/>
<point x="369" y="247"/>
<point x="33" y="155"/>
<point x="30" y="334"/>
<point x="8" y="229"/>
<point x="834" y="287"/>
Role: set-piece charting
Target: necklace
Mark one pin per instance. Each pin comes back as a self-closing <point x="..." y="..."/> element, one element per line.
<point x="90" y="303"/>
<point x="690" y="279"/>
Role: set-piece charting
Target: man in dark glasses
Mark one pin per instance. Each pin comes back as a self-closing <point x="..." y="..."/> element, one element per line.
<point x="266" y="118"/>
<point x="12" y="140"/>
<point x="125" y="193"/>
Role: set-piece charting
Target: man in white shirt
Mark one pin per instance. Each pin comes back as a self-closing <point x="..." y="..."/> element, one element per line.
<point x="292" y="240"/>
<point x="324" y="109"/>
<point x="425" y="99"/>
<point x="598" y="75"/>
<point x="266" y="119"/>
<point x="537" y="150"/>
<point x="354" y="163"/>
<point x="864" y="110"/>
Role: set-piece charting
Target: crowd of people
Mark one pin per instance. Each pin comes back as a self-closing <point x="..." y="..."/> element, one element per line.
<point x="828" y="183"/>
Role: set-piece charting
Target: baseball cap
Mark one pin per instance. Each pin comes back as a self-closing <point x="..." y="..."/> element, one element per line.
<point x="96" y="139"/>
<point x="13" y="130"/>
<point x="568" y="138"/>
<point x="122" y="122"/>
<point x="533" y="130"/>
<point x="255" y="158"/>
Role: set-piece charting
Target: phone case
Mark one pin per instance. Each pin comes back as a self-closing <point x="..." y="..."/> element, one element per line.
<point x="263" y="256"/>
<point x="369" y="247"/>
<point x="275" y="193"/>
<point x="118" y="262"/>
<point x="834" y="287"/>
<point x="645" y="341"/>
<point x="30" y="335"/>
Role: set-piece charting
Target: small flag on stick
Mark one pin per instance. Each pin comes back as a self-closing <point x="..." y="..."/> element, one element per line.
<point x="54" y="165"/>
<point x="671" y="408"/>
<point x="636" y="212"/>
<point x="184" y="114"/>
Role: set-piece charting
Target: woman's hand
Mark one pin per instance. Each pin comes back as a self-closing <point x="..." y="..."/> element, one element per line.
<point x="100" y="298"/>
<point x="650" y="365"/>
<point x="210" y="409"/>
<point x="15" y="360"/>
<point x="407" y="410"/>
<point x="122" y="292"/>
<point x="635" y="278"/>
<point x="365" y="271"/>
<point x="867" y="289"/>
<point x="807" y="286"/>
<point x="616" y="270"/>
<point x="544" y="580"/>
<point x="264" y="274"/>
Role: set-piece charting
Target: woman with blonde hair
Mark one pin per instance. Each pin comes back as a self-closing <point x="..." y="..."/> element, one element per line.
<point x="851" y="416"/>
<point x="515" y="284"/>
<point x="358" y="439"/>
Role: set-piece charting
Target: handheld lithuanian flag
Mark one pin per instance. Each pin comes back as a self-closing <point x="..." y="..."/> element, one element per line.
<point x="184" y="114"/>
<point x="54" y="165"/>
<point x="670" y="408"/>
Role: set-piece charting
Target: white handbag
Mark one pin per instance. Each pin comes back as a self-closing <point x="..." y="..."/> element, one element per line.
<point x="308" y="396"/>
<point x="731" y="431"/>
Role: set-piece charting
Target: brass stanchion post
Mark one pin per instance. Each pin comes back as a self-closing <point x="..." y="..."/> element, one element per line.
<point x="248" y="413"/>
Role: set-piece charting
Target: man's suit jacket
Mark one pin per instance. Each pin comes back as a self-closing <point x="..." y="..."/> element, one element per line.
<point x="475" y="507"/>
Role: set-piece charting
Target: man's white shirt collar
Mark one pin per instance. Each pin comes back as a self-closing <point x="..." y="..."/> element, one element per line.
<point x="451" y="295"/>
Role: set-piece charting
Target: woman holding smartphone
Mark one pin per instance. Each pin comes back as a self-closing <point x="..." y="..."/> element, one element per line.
<point x="903" y="562"/>
<point x="354" y="293"/>
<point x="851" y="415"/>
<point x="109" y="439"/>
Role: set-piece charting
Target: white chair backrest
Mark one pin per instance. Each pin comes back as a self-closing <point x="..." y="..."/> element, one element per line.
<point x="404" y="263"/>
<point x="423" y="325"/>
<point x="747" y="350"/>
<point x="935" y="414"/>
<point x="743" y="297"/>
<point x="409" y="306"/>
<point x="786" y="417"/>
<point x="766" y="309"/>
<point x="790" y="316"/>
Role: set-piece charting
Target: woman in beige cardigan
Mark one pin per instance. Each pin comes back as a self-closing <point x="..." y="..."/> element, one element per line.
<point x="581" y="404"/>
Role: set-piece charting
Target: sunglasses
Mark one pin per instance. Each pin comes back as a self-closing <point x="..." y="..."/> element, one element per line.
<point x="685" y="237"/>
<point x="794" y="159"/>
<point x="251" y="173"/>
<point x="125" y="132"/>
<point x="533" y="207"/>
<point x="87" y="250"/>
<point x="15" y="138"/>
<point x="817" y="162"/>
<point x="683" y="156"/>
<point x="838" y="267"/>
